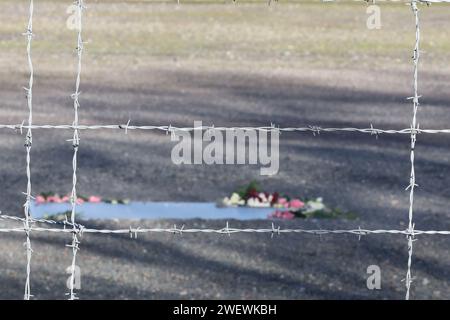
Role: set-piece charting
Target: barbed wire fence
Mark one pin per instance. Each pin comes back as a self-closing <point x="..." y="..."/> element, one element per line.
<point x="70" y="226"/>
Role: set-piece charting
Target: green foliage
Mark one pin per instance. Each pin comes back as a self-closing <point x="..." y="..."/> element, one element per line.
<point x="62" y="216"/>
<point x="252" y="187"/>
<point x="327" y="214"/>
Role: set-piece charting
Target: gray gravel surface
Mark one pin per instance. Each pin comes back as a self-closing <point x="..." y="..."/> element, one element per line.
<point x="352" y="172"/>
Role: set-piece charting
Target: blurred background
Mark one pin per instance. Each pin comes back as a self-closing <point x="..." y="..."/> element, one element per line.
<point x="293" y="63"/>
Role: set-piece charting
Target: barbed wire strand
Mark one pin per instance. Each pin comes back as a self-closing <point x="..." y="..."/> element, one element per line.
<point x="65" y="223"/>
<point x="414" y="124"/>
<point x="133" y="231"/>
<point x="28" y="143"/>
<point x="269" y="2"/>
<point x="75" y="143"/>
<point x="169" y="128"/>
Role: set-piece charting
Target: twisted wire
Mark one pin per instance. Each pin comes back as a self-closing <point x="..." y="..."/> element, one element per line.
<point x="28" y="143"/>
<point x="134" y="231"/>
<point x="75" y="143"/>
<point x="314" y="129"/>
<point x="412" y="184"/>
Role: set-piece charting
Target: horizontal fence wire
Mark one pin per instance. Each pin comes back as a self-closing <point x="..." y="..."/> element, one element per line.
<point x="133" y="231"/>
<point x="169" y="128"/>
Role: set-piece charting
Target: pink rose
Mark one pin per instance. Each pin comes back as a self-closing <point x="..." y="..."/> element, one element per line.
<point x="65" y="199"/>
<point x="288" y="215"/>
<point x="283" y="202"/>
<point x="40" y="200"/>
<point x="296" y="204"/>
<point x="274" y="214"/>
<point x="95" y="199"/>
<point x="79" y="201"/>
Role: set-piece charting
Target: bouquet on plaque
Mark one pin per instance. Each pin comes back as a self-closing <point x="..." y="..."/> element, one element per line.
<point x="285" y="207"/>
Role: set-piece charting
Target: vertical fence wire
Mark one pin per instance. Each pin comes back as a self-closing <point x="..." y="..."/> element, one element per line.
<point x="414" y="125"/>
<point x="28" y="142"/>
<point x="75" y="144"/>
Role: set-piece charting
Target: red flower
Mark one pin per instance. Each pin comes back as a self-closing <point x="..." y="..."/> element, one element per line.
<point x="275" y="197"/>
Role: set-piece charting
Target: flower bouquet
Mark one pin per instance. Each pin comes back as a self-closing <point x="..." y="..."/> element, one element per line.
<point x="285" y="207"/>
<point x="54" y="198"/>
<point x="51" y="197"/>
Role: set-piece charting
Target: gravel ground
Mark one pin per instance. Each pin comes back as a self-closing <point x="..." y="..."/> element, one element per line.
<point x="353" y="172"/>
